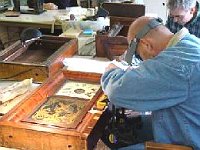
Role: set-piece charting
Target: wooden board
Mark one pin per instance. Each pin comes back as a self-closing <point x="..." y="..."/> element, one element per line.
<point x="20" y="128"/>
<point x="38" y="60"/>
<point x="126" y="9"/>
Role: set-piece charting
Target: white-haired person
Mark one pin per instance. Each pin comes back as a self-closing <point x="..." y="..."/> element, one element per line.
<point x="184" y="13"/>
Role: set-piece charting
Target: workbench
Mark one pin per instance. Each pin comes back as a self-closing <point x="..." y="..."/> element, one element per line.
<point x="50" y="20"/>
<point x="88" y="131"/>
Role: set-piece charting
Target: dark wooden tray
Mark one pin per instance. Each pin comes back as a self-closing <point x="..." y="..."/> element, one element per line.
<point x="38" y="60"/>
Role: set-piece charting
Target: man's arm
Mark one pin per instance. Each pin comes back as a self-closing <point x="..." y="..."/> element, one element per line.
<point x="151" y="86"/>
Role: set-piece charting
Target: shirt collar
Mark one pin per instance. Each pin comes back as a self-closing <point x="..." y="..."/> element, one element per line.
<point x="177" y="37"/>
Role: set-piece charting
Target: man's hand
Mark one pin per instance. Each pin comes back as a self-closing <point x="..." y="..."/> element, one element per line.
<point x="117" y="64"/>
<point x="50" y="6"/>
<point x="110" y="66"/>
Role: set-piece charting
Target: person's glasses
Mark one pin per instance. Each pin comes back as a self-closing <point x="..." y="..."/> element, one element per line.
<point x="136" y="51"/>
<point x="136" y="42"/>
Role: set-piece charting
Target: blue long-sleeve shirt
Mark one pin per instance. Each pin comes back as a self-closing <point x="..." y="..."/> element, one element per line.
<point x="169" y="86"/>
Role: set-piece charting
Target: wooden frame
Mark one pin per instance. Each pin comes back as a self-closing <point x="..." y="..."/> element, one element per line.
<point x="17" y="132"/>
<point x="38" y="60"/>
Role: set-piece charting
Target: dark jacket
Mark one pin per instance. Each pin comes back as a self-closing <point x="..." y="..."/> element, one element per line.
<point x="62" y="4"/>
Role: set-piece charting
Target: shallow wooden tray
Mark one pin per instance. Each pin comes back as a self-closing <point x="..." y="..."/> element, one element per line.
<point x="38" y="60"/>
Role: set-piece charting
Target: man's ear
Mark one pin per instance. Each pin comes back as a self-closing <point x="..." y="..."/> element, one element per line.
<point x="193" y="10"/>
<point x="145" y="49"/>
<point x="147" y="44"/>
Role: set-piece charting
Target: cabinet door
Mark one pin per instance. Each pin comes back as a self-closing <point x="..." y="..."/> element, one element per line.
<point x="156" y="8"/>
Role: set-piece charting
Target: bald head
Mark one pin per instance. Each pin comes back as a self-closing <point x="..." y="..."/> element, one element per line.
<point x="139" y="24"/>
<point x="155" y="40"/>
<point x="136" y="26"/>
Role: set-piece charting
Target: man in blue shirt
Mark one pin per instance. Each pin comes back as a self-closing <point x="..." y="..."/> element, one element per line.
<point x="184" y="13"/>
<point x="166" y="82"/>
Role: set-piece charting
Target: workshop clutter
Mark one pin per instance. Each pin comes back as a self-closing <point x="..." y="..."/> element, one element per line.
<point x="99" y="24"/>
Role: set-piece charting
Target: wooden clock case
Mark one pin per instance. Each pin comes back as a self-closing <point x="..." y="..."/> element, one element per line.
<point x="19" y="130"/>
